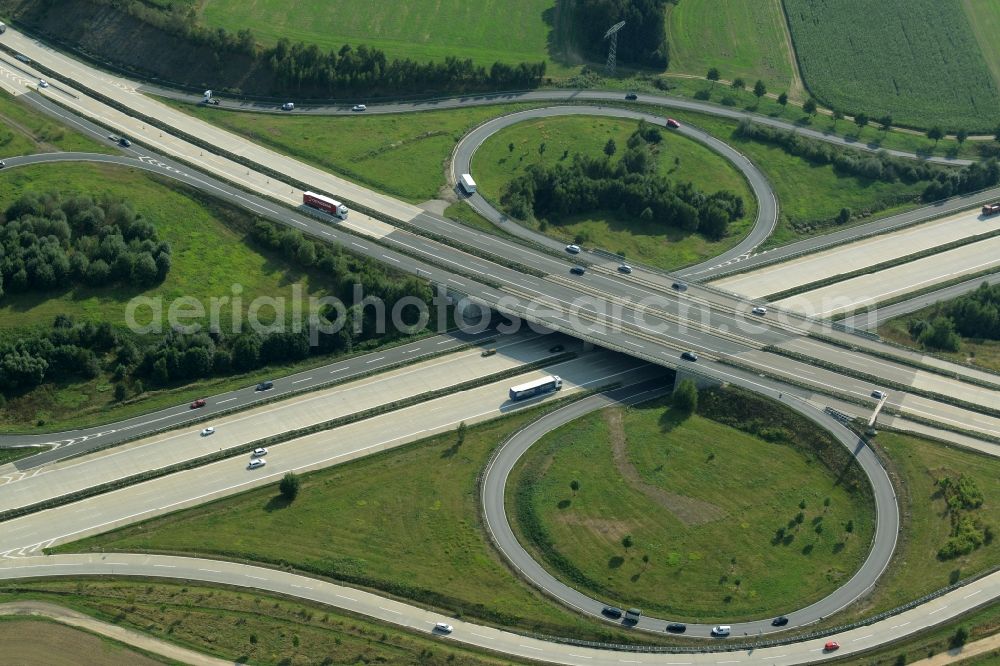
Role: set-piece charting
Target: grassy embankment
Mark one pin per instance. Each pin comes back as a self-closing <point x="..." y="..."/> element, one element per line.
<point x="24" y="131"/>
<point x="211" y="253"/>
<point x="692" y="519"/>
<point x="985" y="353"/>
<point x="650" y="242"/>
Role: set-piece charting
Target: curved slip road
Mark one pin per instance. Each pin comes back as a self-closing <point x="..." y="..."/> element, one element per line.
<point x="883" y="543"/>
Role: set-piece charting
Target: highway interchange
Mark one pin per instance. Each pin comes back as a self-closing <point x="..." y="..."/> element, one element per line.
<point x="710" y="321"/>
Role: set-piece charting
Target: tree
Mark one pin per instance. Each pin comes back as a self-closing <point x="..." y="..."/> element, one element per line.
<point x="289" y="486"/>
<point x="935" y="134"/>
<point x="627" y="541"/>
<point x="462" y="428"/>
<point x="574" y="485"/>
<point x="845" y="216"/>
<point x="759" y="89"/>
<point x="541" y="148"/>
<point x="610" y="148"/>
<point x="837" y="115"/>
<point x="121" y="392"/>
<point x="961" y="135"/>
<point x="510" y="147"/>
<point x="783" y="99"/>
<point x="686" y="397"/>
<point x="886" y="122"/>
<point x="960" y="637"/>
<point x="713" y="75"/>
<point x="861" y="120"/>
<point x="738" y="84"/>
<point x="810" y="106"/>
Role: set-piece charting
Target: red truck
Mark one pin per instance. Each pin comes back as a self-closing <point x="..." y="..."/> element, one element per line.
<point x="991" y="209"/>
<point x="325" y="204"/>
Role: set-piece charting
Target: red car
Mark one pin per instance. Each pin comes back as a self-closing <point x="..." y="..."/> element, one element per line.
<point x="672" y="123"/>
<point x="200" y="402"/>
<point x="831" y="646"/>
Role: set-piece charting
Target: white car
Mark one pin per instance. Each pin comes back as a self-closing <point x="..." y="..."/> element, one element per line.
<point x="573" y="249"/>
<point x="42" y="83"/>
<point x="256" y="462"/>
<point x="443" y="627"/>
<point x="259" y="452"/>
<point x="759" y="310"/>
<point x="287" y="106"/>
<point x="721" y="630"/>
<point x="208" y="431"/>
<point x="359" y="107"/>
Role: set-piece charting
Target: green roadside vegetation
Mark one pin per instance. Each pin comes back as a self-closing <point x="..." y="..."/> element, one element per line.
<point x="405" y="522"/>
<point x="240" y="626"/>
<point x="25" y="131"/>
<point x="402" y="154"/>
<point x="929" y="68"/>
<point x="8" y="455"/>
<point x="213" y="248"/>
<point x="962" y="329"/>
<point x="549" y="142"/>
<point x="37" y="640"/>
<point x="743" y="38"/>
<point x="692" y="518"/>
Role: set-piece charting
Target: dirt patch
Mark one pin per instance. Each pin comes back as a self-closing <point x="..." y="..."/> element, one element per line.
<point x="614" y="530"/>
<point x="43" y="643"/>
<point x="688" y="510"/>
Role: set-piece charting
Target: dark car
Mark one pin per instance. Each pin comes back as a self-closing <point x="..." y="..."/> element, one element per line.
<point x="631" y="97"/>
<point x="672" y="124"/>
<point x="677" y="627"/>
<point x="557" y="348"/>
<point x="578" y="270"/>
<point x="265" y="386"/>
<point x="612" y="612"/>
<point x="689" y="356"/>
<point x="124" y="142"/>
<point x="679" y="286"/>
<point x="779" y="621"/>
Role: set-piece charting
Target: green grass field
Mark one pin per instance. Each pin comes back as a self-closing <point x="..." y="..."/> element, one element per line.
<point x="984" y="19"/>
<point x="400" y="154"/>
<point x="917" y="570"/>
<point x="405" y="522"/>
<point x="918" y="60"/>
<point x="239" y="626"/>
<point x="12" y="454"/>
<point x="681" y="159"/>
<point x="809" y="196"/>
<point x="742" y="38"/>
<point x="419" y="29"/>
<point x="701" y="506"/>
<point x="24" y="131"/>
<point x="210" y="254"/>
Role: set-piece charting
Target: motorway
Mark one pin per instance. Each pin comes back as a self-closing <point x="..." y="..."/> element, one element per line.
<point x="555" y="292"/>
<point x="871" y="320"/>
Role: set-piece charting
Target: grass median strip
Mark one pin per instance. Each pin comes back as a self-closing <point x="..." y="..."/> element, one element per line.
<point x="277" y="439"/>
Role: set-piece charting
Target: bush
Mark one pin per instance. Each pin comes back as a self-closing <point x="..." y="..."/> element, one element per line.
<point x="289" y="486"/>
<point x="685" y="397"/>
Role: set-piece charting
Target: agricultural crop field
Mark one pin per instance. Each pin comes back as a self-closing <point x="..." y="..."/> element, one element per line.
<point x="918" y="60"/>
<point x="485" y="31"/>
<point x="742" y="38"/>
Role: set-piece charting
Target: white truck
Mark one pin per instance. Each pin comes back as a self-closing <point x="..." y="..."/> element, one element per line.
<point x="467" y="183"/>
<point x="536" y="387"/>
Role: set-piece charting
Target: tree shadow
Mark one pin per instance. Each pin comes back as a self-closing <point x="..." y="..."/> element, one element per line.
<point x="671" y="418"/>
<point x="838" y="547"/>
<point x="277" y="503"/>
<point x="616" y="562"/>
<point x="451" y="451"/>
<point x="635" y="578"/>
<point x="559" y="41"/>
<point x="564" y="504"/>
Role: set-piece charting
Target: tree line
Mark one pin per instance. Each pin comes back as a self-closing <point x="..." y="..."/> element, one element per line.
<point x="642" y="41"/>
<point x="630" y="184"/>
<point x="881" y="166"/>
<point x="50" y="241"/>
<point x="975" y="315"/>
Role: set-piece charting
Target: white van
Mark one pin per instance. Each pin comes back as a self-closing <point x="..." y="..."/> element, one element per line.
<point x="467" y="183"/>
<point x="721" y="630"/>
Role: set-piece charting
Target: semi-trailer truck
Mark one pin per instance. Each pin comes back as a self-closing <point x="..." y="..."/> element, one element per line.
<point x="325" y="204"/>
<point x="536" y="387"/>
<point x="991" y="209"/>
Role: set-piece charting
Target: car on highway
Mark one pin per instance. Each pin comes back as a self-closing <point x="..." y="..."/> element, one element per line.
<point x="359" y="107"/>
<point x="632" y="615"/>
<point x="760" y="310"/>
<point x="677" y="627"/>
<point x="23" y="58"/>
<point x="489" y="352"/>
<point x="573" y="249"/>
<point x="578" y="270"/>
<point x="205" y="432"/>
<point x="831" y="646"/>
<point x="287" y="106"/>
<point x="42" y="83"/>
<point x="124" y="142"/>
<point x="779" y="621"/>
<point x="259" y="452"/>
<point x="444" y="627"/>
<point x="679" y="286"/>
<point x="612" y="612"/>
<point x="2" y="164"/>
<point x="631" y="97"/>
<point x="256" y="462"/>
<point x="265" y="386"/>
<point x="878" y="395"/>
<point x="689" y="356"/>
<point x="200" y="402"/>
<point x="721" y="630"/>
<point x="672" y="124"/>
<point x="624" y="268"/>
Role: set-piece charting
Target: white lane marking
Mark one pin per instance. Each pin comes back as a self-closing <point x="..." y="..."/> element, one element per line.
<point x="938" y="610"/>
<point x="299" y="381"/>
<point x="257" y="577"/>
<point x="632" y="343"/>
<point x="210" y="570"/>
<point x="861" y="638"/>
<point x="374" y="359"/>
<point x="444" y="342"/>
<point x="226" y="400"/>
<point x="489" y="638"/>
<point x="528" y="647"/>
<point x="302" y="587"/>
<point x="333" y="372"/>
<point x="972" y="595"/>
<point x="359" y="245"/>
<point x="385" y="256"/>
<point x="411" y="351"/>
<point x="580" y="656"/>
<point x="389" y="610"/>
<point x="341" y="596"/>
<point x="165" y="566"/>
